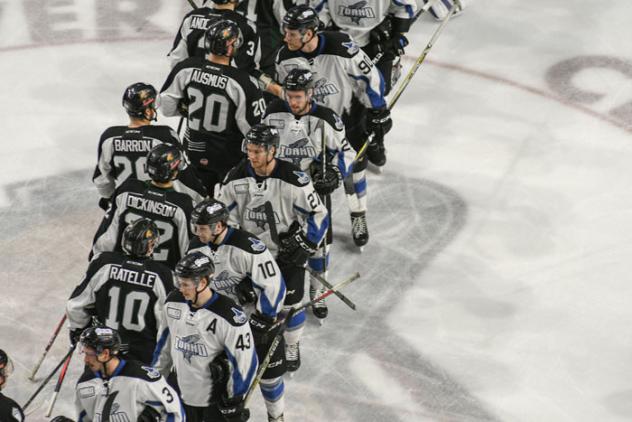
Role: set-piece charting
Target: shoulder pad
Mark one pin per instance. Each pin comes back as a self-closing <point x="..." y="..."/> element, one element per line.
<point x="339" y="44"/>
<point x="285" y="54"/>
<point x="291" y="174"/>
<point x="276" y="106"/>
<point x="237" y="172"/>
<point x="246" y="241"/>
<point x="134" y="369"/>
<point x="112" y="131"/>
<point x="87" y="375"/>
<point x="228" y="310"/>
<point x="176" y="297"/>
<point x="162" y="133"/>
<point x="328" y="115"/>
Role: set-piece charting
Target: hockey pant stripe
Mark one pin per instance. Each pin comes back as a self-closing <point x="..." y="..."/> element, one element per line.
<point x="297" y="321"/>
<point x="316" y="263"/>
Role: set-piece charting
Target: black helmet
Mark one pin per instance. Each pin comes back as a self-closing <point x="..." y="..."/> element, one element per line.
<point x="164" y="161"/>
<point x="302" y="18"/>
<point x="264" y="135"/>
<point x="209" y="211"/>
<point x="6" y="365"/>
<point x="298" y="80"/>
<point x="101" y="338"/>
<point x="138" y="97"/>
<point x="137" y="237"/>
<point x="194" y="265"/>
<point x="220" y="35"/>
<point x="224" y="1"/>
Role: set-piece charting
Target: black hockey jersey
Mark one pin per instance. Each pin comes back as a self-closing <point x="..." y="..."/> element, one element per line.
<point x="123" y="153"/>
<point x="127" y="295"/>
<point x="170" y="210"/>
<point x="223" y="103"/>
<point x="10" y="411"/>
<point x="189" y="41"/>
<point x="125" y="395"/>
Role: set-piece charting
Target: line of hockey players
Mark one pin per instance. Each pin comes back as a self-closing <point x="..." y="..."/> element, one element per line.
<point x="204" y="244"/>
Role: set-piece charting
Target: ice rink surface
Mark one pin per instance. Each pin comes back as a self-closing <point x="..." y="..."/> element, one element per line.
<point x="495" y="286"/>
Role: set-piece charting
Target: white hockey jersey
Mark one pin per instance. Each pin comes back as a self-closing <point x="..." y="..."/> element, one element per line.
<point x="359" y="17"/>
<point x="341" y="70"/>
<point x="242" y="255"/>
<point x="197" y="336"/>
<point x="302" y="136"/>
<point x="125" y="394"/>
<point x="291" y="194"/>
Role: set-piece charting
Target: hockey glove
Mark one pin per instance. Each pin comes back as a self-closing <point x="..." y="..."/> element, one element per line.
<point x="260" y="326"/>
<point x="233" y="409"/>
<point x="381" y="33"/>
<point x="104" y="203"/>
<point x="326" y="183"/>
<point x="379" y="123"/>
<point x="149" y="414"/>
<point x="398" y="43"/>
<point x="245" y="293"/>
<point x="294" y="247"/>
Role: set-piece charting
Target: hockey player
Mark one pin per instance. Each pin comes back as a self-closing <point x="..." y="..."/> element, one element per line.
<point x="276" y="201"/>
<point x="309" y="133"/>
<point x="156" y="200"/>
<point x="189" y="41"/>
<point x="220" y="103"/>
<point x="210" y="345"/>
<point x="246" y="271"/>
<point x="343" y="71"/>
<point x="377" y="26"/>
<point x="123" y="149"/>
<point x="125" y="292"/>
<point x="10" y="411"/>
<point x="116" y="389"/>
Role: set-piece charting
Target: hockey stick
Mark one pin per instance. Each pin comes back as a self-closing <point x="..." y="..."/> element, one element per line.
<point x="193" y="5"/>
<point x="269" y="212"/>
<point x="48" y="378"/>
<point x="327" y="284"/>
<point x="60" y="380"/>
<point x="282" y="325"/>
<point x="409" y="77"/>
<point x="48" y="346"/>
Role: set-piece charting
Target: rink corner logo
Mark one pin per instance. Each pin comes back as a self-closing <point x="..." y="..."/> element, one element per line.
<point x="239" y="316"/>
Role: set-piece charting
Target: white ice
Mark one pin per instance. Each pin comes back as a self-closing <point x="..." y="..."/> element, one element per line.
<point x="496" y="283"/>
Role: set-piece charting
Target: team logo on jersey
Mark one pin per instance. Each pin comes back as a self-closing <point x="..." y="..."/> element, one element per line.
<point x="258" y="216"/>
<point x="352" y="47"/>
<point x="190" y="347"/>
<point x="356" y="11"/>
<point x="323" y="88"/>
<point x="151" y="372"/>
<point x="16" y="413"/>
<point x="239" y="316"/>
<point x="225" y="283"/>
<point x="303" y="178"/>
<point x="338" y="122"/>
<point x="297" y="151"/>
<point x="257" y="245"/>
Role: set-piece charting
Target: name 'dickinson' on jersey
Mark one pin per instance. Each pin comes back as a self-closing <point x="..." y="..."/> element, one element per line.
<point x="153" y="207"/>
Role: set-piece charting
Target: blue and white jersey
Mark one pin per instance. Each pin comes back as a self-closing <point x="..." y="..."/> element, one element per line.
<point x="196" y="336"/>
<point x="341" y="70"/>
<point x="291" y="194"/>
<point x="301" y="137"/>
<point x="359" y="17"/>
<point x="125" y="394"/>
<point x="242" y="255"/>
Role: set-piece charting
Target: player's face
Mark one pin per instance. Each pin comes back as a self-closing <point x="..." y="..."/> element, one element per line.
<point x="294" y="39"/>
<point x="91" y="358"/>
<point x="206" y="233"/>
<point x="187" y="287"/>
<point x="259" y="156"/>
<point x="298" y="101"/>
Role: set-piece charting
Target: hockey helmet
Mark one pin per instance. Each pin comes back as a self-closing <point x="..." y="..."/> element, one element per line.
<point x="138" y="97"/>
<point x="299" y="80"/>
<point x="164" y="161"/>
<point x="195" y="265"/>
<point x="264" y="135"/>
<point x="6" y="366"/>
<point x="101" y="338"/>
<point x="208" y="212"/>
<point x="302" y="18"/>
<point x="220" y="35"/>
<point x="138" y="236"/>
